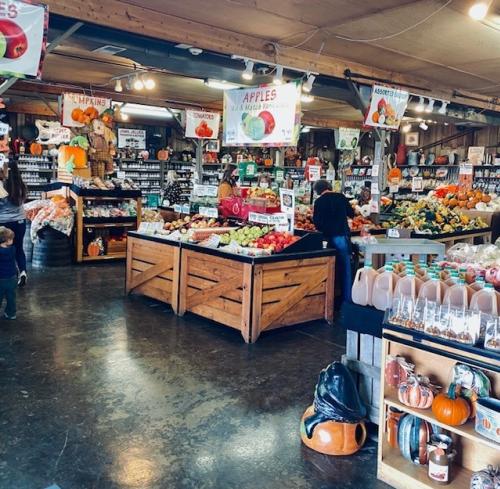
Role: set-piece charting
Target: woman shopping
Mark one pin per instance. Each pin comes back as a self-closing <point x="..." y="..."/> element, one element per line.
<point x="12" y="214"/>
<point x="227" y="184"/>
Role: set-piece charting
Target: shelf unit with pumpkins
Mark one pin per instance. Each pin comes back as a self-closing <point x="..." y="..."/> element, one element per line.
<point x="115" y="228"/>
<point x="434" y="358"/>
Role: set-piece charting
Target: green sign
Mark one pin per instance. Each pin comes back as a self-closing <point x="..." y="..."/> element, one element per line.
<point x="153" y="200"/>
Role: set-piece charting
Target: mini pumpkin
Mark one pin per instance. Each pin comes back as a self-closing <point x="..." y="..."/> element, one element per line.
<point x="93" y="249"/>
<point x="451" y="409"/>
<point x="91" y="112"/>
<point x="416" y="392"/>
<point x="36" y="149"/>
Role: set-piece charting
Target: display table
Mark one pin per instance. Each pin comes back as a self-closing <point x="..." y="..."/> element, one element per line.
<point x="434" y="358"/>
<point x="250" y="294"/>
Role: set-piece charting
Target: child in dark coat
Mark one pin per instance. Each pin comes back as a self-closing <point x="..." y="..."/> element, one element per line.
<point x="8" y="272"/>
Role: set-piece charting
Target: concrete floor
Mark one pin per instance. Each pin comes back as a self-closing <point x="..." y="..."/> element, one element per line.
<point x="100" y="391"/>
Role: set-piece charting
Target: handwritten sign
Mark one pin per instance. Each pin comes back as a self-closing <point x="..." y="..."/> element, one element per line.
<point x="211" y="212"/>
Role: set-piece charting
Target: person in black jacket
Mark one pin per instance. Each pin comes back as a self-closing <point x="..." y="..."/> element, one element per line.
<point x="331" y="211"/>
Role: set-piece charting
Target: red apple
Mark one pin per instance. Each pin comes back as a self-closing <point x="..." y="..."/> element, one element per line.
<point x="268" y="119"/>
<point x="17" y="43"/>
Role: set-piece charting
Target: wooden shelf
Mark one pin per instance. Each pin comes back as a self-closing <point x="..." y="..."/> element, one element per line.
<point x="467" y="430"/>
<point x="109" y="256"/>
<point x="398" y="472"/>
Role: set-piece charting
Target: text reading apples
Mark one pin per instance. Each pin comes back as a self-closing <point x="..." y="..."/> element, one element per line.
<point x="14" y="38"/>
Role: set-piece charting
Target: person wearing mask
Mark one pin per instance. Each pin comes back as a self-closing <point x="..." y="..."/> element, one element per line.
<point x="12" y="215"/>
<point x="227" y="184"/>
<point x="172" y="192"/>
<point x="331" y="211"/>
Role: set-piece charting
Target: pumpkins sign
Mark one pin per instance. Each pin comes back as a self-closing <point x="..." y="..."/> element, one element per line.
<point x="79" y="109"/>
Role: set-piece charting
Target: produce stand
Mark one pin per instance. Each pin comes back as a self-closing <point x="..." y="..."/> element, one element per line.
<point x="250" y="294"/>
<point x="449" y="239"/>
<point x="434" y="358"/>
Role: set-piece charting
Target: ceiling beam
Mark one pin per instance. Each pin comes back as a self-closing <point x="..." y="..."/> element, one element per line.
<point x="135" y="19"/>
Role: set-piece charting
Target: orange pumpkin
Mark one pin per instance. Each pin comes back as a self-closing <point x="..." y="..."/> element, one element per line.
<point x="78" y="154"/>
<point x="76" y="114"/>
<point x="36" y="149"/>
<point x="416" y="393"/>
<point x="163" y="155"/>
<point x="394" y="175"/>
<point x="91" y="113"/>
<point x="486" y="198"/>
<point x="93" y="249"/>
<point x="451" y="409"/>
<point x="332" y="438"/>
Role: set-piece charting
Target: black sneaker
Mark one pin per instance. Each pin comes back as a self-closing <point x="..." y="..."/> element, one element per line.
<point x="23" y="278"/>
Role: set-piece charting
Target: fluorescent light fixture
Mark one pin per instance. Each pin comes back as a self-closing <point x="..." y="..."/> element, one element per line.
<point x="146" y="111"/>
<point x="305" y="129"/>
<point x="307" y="87"/>
<point x="220" y="84"/>
<point x="423" y="126"/>
<point x="149" y="83"/>
<point x="430" y="106"/>
<point x="306" y="98"/>
<point x="479" y="10"/>
<point x="442" y="109"/>
<point x="248" y="72"/>
<point x="138" y="84"/>
<point x="278" y="78"/>
<point x="419" y="119"/>
<point x="118" y="86"/>
<point x="420" y="106"/>
<point x="406" y="128"/>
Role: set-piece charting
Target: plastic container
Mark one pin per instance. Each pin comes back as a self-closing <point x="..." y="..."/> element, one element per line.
<point x="408" y="286"/>
<point x="478" y="284"/>
<point x="457" y="295"/>
<point x="433" y="290"/>
<point x="362" y="287"/>
<point x="452" y="279"/>
<point x="485" y="300"/>
<point x="383" y="288"/>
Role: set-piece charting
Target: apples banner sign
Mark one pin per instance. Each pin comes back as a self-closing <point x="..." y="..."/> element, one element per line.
<point x="23" y="38"/>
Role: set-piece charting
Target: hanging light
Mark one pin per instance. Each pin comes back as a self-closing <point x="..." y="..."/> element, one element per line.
<point x="306" y="98"/>
<point x="149" y="83"/>
<point x="118" y="86"/>
<point x="138" y="84"/>
<point x="442" y="109"/>
<point x="479" y="10"/>
<point x="420" y="106"/>
<point x="248" y="72"/>
<point x="406" y="128"/>
<point x="307" y="87"/>
<point x="278" y="78"/>
<point x="430" y="106"/>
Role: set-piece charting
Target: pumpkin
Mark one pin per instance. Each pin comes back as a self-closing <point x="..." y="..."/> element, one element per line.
<point x="397" y="370"/>
<point x="36" y="149"/>
<point x="76" y="153"/>
<point x="163" y="155"/>
<point x="333" y="438"/>
<point x="450" y="409"/>
<point x="77" y="114"/>
<point x="93" y="249"/>
<point x="394" y="175"/>
<point x="91" y="113"/>
<point x="413" y="435"/>
<point x="488" y="478"/>
<point x="416" y="393"/>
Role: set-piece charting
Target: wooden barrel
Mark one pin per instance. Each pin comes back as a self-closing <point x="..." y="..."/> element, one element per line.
<point x="52" y="249"/>
<point x="27" y="243"/>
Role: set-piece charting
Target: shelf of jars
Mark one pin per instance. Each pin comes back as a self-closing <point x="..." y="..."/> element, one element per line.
<point x="37" y="172"/>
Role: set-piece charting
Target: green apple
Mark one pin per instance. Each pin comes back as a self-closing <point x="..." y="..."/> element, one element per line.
<point x="3" y="45"/>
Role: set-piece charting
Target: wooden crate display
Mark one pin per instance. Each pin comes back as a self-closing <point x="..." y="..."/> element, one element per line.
<point x="292" y="292"/>
<point x="153" y="270"/>
<point x="216" y="288"/>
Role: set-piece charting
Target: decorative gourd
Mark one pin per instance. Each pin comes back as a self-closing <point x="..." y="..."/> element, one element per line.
<point x="413" y="435"/>
<point x="36" y="149"/>
<point x="397" y="370"/>
<point x="66" y="153"/>
<point x="416" y="393"/>
<point x="451" y="409"/>
<point x="163" y="155"/>
<point x="488" y="478"/>
<point x="93" y="249"/>
<point x="394" y="175"/>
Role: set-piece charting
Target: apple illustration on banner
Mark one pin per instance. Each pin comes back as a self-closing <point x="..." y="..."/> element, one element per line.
<point x="257" y="127"/>
<point x="14" y="39"/>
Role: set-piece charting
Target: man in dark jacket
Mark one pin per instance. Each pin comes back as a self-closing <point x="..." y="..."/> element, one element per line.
<point x="331" y="211"/>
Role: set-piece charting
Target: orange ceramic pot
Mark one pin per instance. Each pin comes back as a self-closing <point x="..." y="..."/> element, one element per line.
<point x="332" y="438"/>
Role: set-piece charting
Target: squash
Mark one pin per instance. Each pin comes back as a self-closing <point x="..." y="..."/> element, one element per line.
<point x="36" y="149"/>
<point x="77" y="114"/>
<point x="78" y="154"/>
<point x="163" y="155"/>
<point x="416" y="393"/>
<point x="450" y="409"/>
<point x="93" y="249"/>
<point x="333" y="438"/>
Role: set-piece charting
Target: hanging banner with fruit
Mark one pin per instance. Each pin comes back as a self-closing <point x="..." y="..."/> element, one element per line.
<point x="79" y="109"/>
<point x="23" y="38"/>
<point x="202" y="125"/>
<point x="387" y="107"/>
<point x="263" y="116"/>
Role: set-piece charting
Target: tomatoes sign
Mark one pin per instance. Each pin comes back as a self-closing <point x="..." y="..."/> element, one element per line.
<point x="23" y="38"/>
<point x="202" y="125"/>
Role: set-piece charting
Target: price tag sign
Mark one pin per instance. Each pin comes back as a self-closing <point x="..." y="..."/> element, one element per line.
<point x="280" y="175"/>
<point x="465" y="169"/>
<point x="4" y="129"/>
<point x="178" y="208"/>
<point x="314" y="173"/>
<point x="186" y="209"/>
<point x="120" y="174"/>
<point x="393" y="233"/>
<point x="374" y="188"/>
<point x="211" y="212"/>
<point x="278" y="219"/>
<point x="417" y="184"/>
<point x="375" y="170"/>
<point x="330" y="175"/>
<point x="393" y="189"/>
<point x="258" y="218"/>
<point x="374" y="207"/>
<point x="250" y="171"/>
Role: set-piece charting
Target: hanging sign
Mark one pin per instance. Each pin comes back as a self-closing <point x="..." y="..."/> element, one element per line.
<point x="387" y="107"/>
<point x="279" y="175"/>
<point x="202" y="125"/>
<point x="73" y="104"/>
<point x="475" y="155"/>
<point x="23" y="38"/>
<point x="52" y="132"/>
<point x="131" y="138"/>
<point x="4" y="129"/>
<point x="267" y="115"/>
<point x="347" y="138"/>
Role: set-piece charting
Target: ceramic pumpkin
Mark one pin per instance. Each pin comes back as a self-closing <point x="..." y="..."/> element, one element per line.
<point x="416" y="393"/>
<point x="397" y="370"/>
<point x="451" y="409"/>
<point x="333" y="438"/>
<point x="36" y="149"/>
<point x="78" y="154"/>
<point x="413" y="436"/>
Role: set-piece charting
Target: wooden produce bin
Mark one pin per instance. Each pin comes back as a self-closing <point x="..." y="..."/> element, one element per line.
<point x="256" y="294"/>
<point x="153" y="268"/>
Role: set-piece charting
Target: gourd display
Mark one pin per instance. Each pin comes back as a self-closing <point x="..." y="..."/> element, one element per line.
<point x="488" y="478"/>
<point x="416" y="393"/>
<point x="451" y="409"/>
<point x="413" y="435"/>
<point x="77" y="154"/>
<point x="36" y="149"/>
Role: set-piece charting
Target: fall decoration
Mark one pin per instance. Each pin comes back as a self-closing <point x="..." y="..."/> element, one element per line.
<point x="451" y="409"/>
<point x="416" y="392"/>
<point x="36" y="149"/>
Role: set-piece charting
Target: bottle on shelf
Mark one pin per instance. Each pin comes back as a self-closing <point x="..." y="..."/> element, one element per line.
<point x="434" y="289"/>
<point x="362" y="288"/>
<point x="457" y="295"/>
<point x="409" y="285"/>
